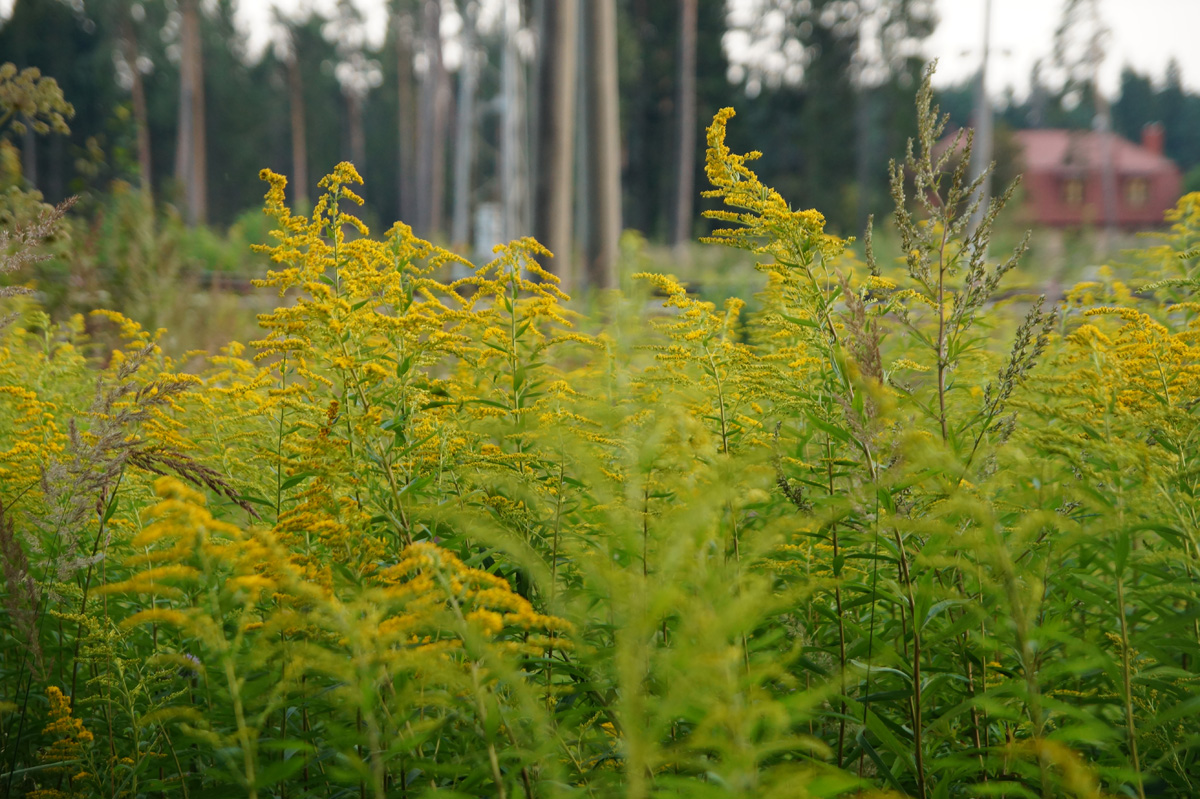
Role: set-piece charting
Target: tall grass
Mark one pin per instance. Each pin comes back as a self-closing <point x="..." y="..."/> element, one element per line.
<point x="891" y="532"/>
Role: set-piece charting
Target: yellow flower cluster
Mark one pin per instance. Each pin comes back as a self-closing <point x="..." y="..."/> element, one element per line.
<point x="763" y="220"/>
<point x="65" y="755"/>
<point x="430" y="580"/>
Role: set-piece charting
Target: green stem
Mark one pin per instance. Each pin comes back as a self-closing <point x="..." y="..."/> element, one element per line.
<point x="1127" y="687"/>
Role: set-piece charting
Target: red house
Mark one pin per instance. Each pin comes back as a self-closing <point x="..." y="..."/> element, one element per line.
<point x="1064" y="180"/>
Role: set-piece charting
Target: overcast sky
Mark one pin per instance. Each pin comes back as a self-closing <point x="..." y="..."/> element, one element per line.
<point x="1145" y="34"/>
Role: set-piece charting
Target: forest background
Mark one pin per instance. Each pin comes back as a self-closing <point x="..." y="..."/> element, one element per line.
<point x="442" y="117"/>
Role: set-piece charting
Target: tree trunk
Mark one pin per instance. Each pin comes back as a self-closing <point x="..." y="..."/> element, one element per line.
<point x="513" y="183"/>
<point x="29" y="155"/>
<point x="190" y="162"/>
<point x="141" y="122"/>
<point x="685" y="107"/>
<point x="355" y="101"/>
<point x="604" y="156"/>
<point x="556" y="135"/>
<point x="183" y="123"/>
<point x="406" y="105"/>
<point x="431" y="144"/>
<point x="299" y="138"/>
<point x="865" y="146"/>
<point x="464" y="139"/>
<point x="583" y="194"/>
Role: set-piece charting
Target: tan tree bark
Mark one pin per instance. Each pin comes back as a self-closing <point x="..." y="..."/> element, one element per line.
<point x="191" y="167"/>
<point x="129" y="48"/>
<point x="514" y="142"/>
<point x="29" y="155"/>
<point x="406" y="115"/>
<point x="355" y="111"/>
<point x="431" y="142"/>
<point x="464" y="124"/>
<point x="300" y="185"/>
<point x="685" y="139"/>
<point x="604" y="152"/>
<point x="556" y="134"/>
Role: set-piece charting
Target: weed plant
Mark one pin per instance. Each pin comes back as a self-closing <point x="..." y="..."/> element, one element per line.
<point x="884" y="535"/>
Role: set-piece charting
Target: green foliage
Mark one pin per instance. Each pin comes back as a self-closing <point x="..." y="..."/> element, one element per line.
<point x="885" y="534"/>
<point x="28" y="98"/>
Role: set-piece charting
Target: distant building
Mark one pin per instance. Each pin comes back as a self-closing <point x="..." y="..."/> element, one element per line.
<point x="1064" y="182"/>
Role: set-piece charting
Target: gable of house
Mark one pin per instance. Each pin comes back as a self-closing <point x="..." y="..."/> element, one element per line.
<point x="1064" y="178"/>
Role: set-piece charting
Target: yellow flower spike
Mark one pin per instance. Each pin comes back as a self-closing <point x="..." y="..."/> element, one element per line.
<point x="157" y="616"/>
<point x="71" y="739"/>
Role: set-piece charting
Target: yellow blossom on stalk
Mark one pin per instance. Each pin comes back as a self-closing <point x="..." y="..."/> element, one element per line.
<point x="1149" y="367"/>
<point x="370" y="319"/>
<point x="180" y="546"/>
<point x="763" y="220"/>
<point x="879" y="283"/>
<point x="435" y="588"/>
<point x="703" y="360"/>
<point x="28" y="436"/>
<point x="71" y="741"/>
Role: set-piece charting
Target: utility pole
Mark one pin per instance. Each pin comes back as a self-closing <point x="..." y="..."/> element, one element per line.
<point x="1082" y="24"/>
<point x="1102" y="125"/>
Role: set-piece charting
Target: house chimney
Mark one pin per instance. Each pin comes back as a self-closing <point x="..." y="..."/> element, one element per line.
<point x="1152" y="137"/>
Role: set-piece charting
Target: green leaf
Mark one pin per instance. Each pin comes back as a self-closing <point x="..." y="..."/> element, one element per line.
<point x="255" y="499"/>
<point x="902" y="752"/>
<point x="110" y="510"/>
<point x="296" y="480"/>
<point x="278" y="770"/>
<point x="938" y="607"/>
<point x="883" y="767"/>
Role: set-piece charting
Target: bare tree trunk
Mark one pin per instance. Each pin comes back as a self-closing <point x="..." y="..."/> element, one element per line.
<point x="464" y="139"/>
<point x="183" y="123"/>
<point x="129" y="46"/>
<point x="1108" y="176"/>
<point x="513" y="182"/>
<point x="299" y="134"/>
<point x="190" y="162"/>
<point x="443" y="101"/>
<point x="406" y="105"/>
<point x="556" y="135"/>
<point x="431" y="144"/>
<point x="582" y="238"/>
<point x="685" y="107"/>
<point x="358" y="134"/>
<point x="604" y="157"/>
<point x="199" y="183"/>
<point x="862" y="155"/>
<point x="29" y="155"/>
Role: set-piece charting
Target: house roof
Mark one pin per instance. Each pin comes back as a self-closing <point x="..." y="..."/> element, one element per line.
<point x="1058" y="150"/>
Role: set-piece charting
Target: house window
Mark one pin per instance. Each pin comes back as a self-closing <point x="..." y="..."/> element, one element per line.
<point x="1073" y="192"/>
<point x="1136" y="192"/>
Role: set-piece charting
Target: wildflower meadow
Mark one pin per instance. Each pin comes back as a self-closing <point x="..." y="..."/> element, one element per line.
<point x="885" y="529"/>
